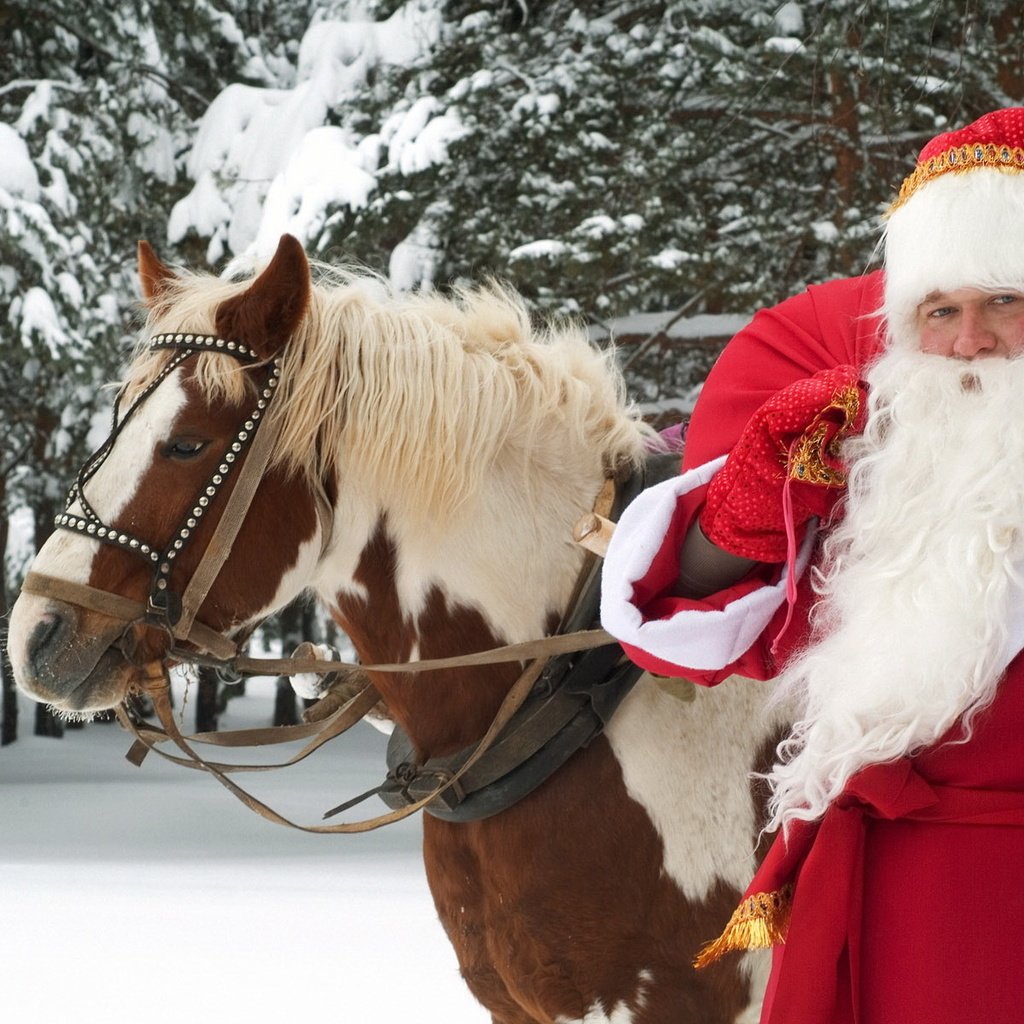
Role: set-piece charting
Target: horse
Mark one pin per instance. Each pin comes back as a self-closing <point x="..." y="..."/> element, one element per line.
<point x="430" y="457"/>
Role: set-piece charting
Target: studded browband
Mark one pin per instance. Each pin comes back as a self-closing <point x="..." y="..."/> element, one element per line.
<point x="167" y="608"/>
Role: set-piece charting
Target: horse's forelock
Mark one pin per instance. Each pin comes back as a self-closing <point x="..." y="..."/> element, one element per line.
<point x="189" y="304"/>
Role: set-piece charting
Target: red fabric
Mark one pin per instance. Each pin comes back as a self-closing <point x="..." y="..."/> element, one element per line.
<point x="827" y="326"/>
<point x="819" y="976"/>
<point x="908" y="901"/>
<point x="1003" y="127"/>
<point x="744" y="511"/>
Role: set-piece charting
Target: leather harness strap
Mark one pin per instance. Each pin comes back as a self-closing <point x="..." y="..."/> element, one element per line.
<point x="342" y="719"/>
<point x="125" y="609"/>
<point x="217" y="551"/>
<point x="575" y="699"/>
<point x="158" y="688"/>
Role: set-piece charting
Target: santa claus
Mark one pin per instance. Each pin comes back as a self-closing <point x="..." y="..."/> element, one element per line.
<point x="850" y="520"/>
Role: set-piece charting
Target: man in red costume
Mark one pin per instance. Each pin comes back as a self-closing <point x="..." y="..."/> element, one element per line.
<point x="859" y="449"/>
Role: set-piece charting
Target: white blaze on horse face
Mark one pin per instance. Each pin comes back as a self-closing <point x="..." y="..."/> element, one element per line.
<point x="70" y="555"/>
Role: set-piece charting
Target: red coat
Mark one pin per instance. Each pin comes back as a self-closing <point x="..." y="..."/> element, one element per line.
<point x="907" y="896"/>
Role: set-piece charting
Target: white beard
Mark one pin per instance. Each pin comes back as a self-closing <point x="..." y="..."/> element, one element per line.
<point x="922" y="604"/>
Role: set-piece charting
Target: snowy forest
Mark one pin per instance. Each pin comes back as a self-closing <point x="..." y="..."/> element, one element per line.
<point x="643" y="162"/>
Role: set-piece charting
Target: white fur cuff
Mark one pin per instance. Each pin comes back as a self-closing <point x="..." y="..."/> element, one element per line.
<point x="700" y="639"/>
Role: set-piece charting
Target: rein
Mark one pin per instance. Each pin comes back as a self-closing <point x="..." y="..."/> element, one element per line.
<point x="134" y="613"/>
<point x="158" y="688"/>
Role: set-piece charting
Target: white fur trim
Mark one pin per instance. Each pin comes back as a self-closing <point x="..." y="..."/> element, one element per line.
<point x="700" y="639"/>
<point x="958" y="231"/>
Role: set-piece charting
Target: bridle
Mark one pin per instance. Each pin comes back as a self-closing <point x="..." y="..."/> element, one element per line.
<point x="167" y="608"/>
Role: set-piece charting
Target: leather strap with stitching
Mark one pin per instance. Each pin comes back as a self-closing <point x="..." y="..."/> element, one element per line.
<point x="250" y="476"/>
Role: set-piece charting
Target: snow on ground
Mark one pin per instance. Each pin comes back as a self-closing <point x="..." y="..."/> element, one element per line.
<point x="150" y="894"/>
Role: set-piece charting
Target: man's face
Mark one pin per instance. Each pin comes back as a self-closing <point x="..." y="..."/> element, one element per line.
<point x="968" y="323"/>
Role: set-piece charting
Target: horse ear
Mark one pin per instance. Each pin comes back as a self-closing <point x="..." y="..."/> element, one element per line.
<point x="267" y="313"/>
<point x="154" y="274"/>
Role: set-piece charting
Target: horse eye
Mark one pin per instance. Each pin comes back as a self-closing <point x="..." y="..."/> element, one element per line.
<point x="183" y="448"/>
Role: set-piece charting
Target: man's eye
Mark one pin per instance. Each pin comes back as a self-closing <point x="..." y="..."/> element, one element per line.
<point x="1004" y="300"/>
<point x="183" y="448"/>
<point x="940" y="313"/>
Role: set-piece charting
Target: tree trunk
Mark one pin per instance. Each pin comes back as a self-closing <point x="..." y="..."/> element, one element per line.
<point x="292" y="623"/>
<point x="47" y="723"/>
<point x="1009" y="25"/>
<point x="297" y="622"/>
<point x="845" y="129"/>
<point x="208" y="706"/>
<point x="8" y="692"/>
<point x="43" y="511"/>
<point x="286" y="710"/>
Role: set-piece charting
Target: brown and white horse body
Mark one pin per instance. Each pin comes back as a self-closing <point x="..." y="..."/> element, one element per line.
<point x="454" y="482"/>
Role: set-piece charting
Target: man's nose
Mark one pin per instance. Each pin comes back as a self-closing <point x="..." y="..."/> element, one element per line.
<point x="974" y="337"/>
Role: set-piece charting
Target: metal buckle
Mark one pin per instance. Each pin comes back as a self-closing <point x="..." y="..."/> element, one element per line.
<point x="163" y="610"/>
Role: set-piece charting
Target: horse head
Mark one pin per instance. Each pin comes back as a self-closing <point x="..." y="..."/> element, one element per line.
<point x="148" y="504"/>
<point x="442" y="445"/>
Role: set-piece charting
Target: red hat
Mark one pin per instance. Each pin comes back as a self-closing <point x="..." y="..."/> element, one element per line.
<point x="959" y="218"/>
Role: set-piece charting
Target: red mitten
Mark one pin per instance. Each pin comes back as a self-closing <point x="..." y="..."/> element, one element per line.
<point x="790" y="444"/>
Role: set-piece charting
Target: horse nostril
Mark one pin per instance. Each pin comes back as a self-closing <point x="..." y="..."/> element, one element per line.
<point x="47" y="636"/>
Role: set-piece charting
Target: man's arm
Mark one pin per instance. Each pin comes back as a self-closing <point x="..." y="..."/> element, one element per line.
<point x="684" y="605"/>
<point x="705" y="569"/>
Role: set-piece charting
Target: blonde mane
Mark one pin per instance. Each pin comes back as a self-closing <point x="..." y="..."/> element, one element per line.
<point x="426" y="389"/>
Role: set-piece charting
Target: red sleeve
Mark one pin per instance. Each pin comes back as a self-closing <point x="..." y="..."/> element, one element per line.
<point x="827" y="326"/>
<point x="652" y="594"/>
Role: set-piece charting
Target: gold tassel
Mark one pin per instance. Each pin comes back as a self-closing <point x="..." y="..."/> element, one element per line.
<point x="759" y="922"/>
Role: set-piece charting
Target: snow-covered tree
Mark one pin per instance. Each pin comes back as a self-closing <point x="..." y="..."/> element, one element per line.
<point x="607" y="158"/>
<point x="632" y="156"/>
<point x="98" y="106"/>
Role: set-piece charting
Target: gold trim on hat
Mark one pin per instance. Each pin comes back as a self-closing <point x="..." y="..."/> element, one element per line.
<point x="958" y="159"/>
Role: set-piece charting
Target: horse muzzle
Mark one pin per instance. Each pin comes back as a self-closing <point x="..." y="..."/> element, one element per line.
<point x="68" y="657"/>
